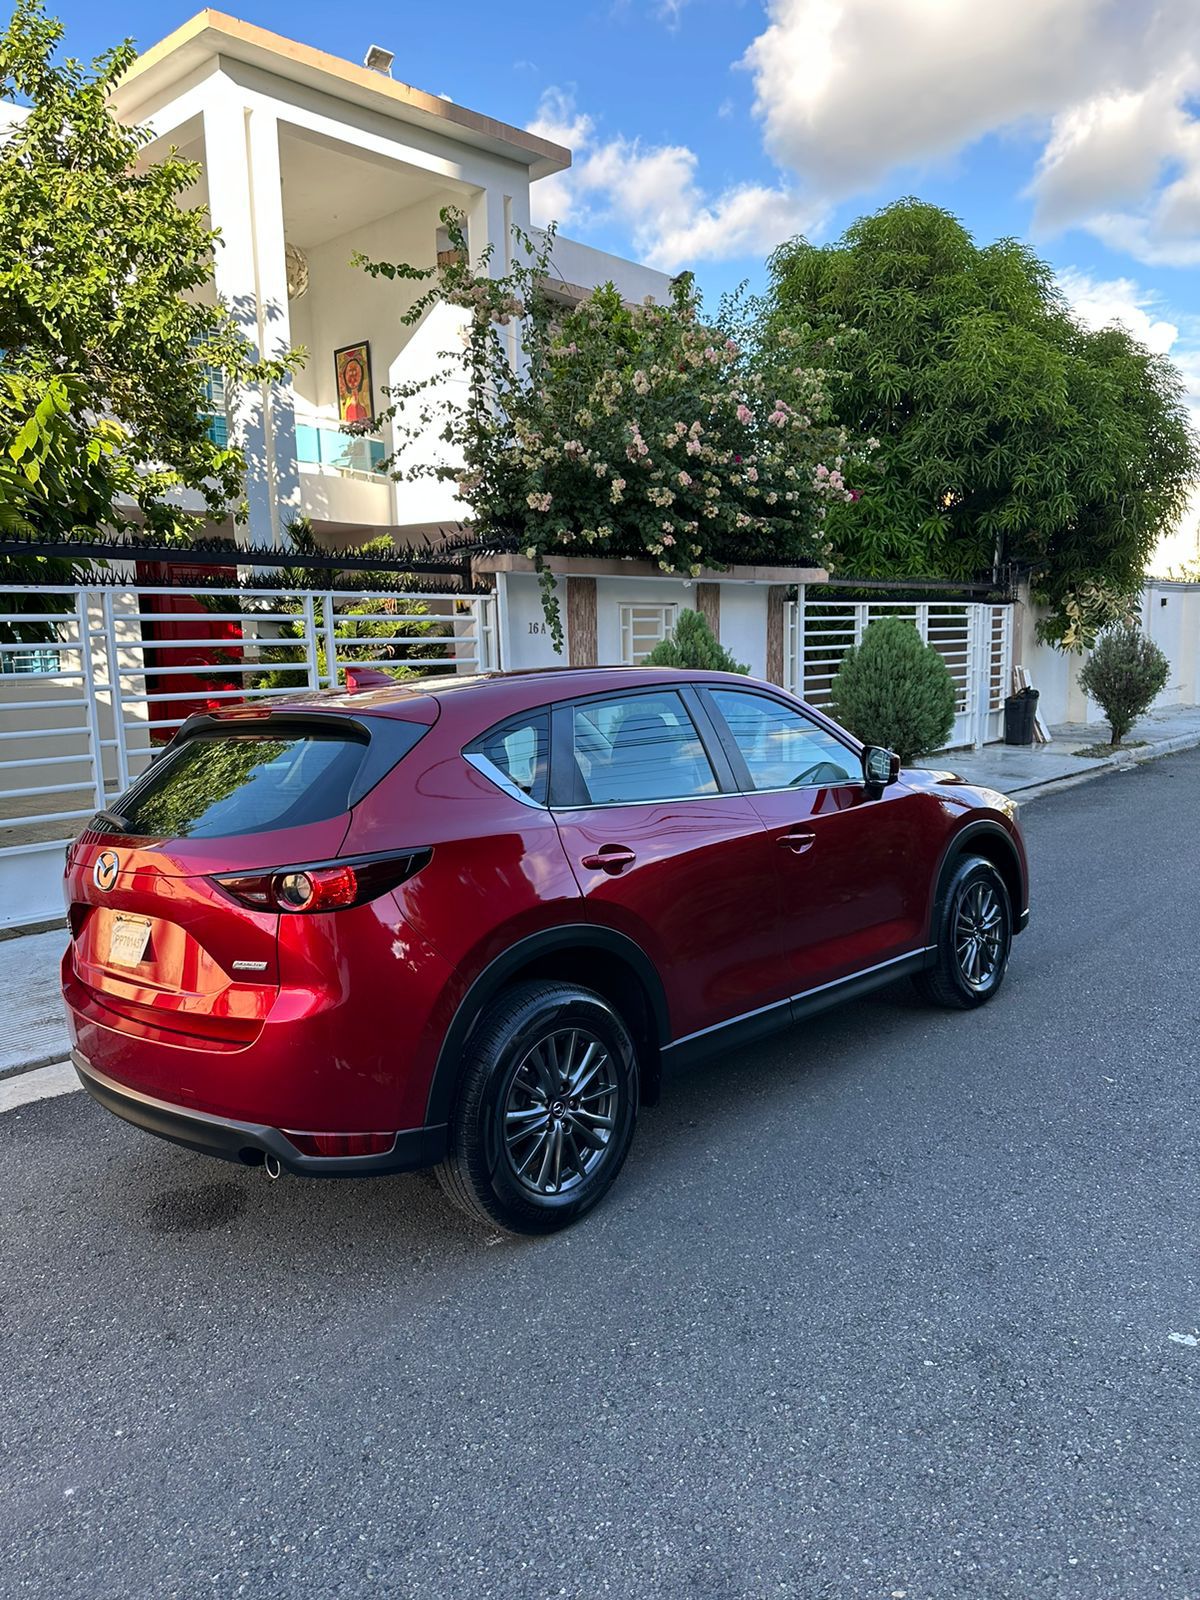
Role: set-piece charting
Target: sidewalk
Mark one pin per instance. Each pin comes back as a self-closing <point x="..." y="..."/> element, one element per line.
<point x="37" y="1035"/>
<point x="1020" y="769"/>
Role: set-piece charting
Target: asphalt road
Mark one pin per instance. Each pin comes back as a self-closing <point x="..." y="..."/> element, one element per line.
<point x="883" y="1308"/>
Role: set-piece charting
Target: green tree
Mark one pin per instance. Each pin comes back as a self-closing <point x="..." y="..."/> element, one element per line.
<point x="1007" y="432"/>
<point x="1125" y="675"/>
<point x="106" y="312"/>
<point x="637" y="431"/>
<point x="40" y="472"/>
<point x="895" y="690"/>
<point x="693" y="646"/>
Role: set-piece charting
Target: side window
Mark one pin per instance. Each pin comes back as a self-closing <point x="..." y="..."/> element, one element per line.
<point x="516" y="755"/>
<point x="782" y="748"/>
<point x="636" y="747"/>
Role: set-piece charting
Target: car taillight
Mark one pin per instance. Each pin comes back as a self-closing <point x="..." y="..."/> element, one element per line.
<point x="323" y="885"/>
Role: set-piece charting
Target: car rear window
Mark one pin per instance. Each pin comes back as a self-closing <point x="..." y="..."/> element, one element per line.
<point x="219" y="784"/>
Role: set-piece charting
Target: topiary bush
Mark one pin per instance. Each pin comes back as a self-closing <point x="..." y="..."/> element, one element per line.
<point x="896" y="691"/>
<point x="1126" y="674"/>
<point x="693" y="645"/>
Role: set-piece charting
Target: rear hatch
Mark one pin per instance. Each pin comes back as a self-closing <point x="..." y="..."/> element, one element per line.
<point x="159" y="949"/>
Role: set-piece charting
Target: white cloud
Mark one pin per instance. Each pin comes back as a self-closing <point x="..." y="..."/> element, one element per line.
<point x="653" y="192"/>
<point x="847" y="90"/>
<point x="1101" y="303"/>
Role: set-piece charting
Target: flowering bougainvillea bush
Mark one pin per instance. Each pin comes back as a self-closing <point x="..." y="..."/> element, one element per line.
<point x="618" y="430"/>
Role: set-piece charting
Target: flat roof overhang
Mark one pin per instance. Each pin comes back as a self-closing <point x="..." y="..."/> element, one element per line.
<point x="212" y="35"/>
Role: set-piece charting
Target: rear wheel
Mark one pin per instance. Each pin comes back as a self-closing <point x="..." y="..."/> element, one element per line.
<point x="974" y="936"/>
<point x="546" y="1109"/>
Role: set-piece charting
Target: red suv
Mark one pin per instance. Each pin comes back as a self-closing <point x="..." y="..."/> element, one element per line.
<point x="464" y="921"/>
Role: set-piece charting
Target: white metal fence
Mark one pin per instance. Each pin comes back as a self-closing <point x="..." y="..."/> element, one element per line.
<point x="974" y="640"/>
<point x="107" y="680"/>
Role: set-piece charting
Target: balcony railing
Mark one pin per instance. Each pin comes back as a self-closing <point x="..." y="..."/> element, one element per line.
<point x="340" y="452"/>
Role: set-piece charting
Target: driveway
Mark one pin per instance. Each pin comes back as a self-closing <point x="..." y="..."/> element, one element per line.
<point x="903" y="1304"/>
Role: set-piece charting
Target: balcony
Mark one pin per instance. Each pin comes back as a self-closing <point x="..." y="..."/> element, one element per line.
<point x="336" y="451"/>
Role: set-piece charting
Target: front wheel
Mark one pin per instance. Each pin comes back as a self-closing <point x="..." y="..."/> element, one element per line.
<point x="974" y="936"/>
<point x="546" y="1109"/>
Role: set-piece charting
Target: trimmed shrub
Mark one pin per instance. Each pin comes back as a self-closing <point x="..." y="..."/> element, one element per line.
<point x="692" y="645"/>
<point x="896" y="691"/>
<point x="1126" y="674"/>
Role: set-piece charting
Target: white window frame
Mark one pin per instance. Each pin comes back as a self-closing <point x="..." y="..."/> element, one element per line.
<point x="636" y="640"/>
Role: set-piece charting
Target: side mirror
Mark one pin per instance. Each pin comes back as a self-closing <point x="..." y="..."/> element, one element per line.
<point x="880" y="767"/>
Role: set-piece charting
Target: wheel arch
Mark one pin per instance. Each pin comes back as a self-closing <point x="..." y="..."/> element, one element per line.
<point x="993" y="842"/>
<point x="596" y="958"/>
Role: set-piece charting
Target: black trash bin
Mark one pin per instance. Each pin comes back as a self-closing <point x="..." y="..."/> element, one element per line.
<point x="1019" y="713"/>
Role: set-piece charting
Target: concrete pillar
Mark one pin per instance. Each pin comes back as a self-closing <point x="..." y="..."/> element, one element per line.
<point x="246" y="203"/>
<point x="487" y="223"/>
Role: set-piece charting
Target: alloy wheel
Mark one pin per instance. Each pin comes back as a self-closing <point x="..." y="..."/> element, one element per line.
<point x="560" y="1112"/>
<point x="979" y="935"/>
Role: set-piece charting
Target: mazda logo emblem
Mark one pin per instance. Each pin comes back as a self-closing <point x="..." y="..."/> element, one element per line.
<point x="104" y="873"/>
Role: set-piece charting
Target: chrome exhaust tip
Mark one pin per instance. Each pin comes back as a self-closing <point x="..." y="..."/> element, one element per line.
<point x="272" y="1167"/>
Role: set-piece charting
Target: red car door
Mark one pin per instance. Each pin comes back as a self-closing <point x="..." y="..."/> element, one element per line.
<point x="850" y="864"/>
<point x="664" y="854"/>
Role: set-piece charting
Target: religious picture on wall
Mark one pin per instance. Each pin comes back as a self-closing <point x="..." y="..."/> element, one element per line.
<point x="353" y="366"/>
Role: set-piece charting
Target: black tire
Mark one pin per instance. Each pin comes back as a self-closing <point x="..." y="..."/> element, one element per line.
<point x="970" y="964"/>
<point x="522" y="1043"/>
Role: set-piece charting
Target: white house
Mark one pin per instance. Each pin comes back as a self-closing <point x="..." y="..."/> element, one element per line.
<point x="306" y="159"/>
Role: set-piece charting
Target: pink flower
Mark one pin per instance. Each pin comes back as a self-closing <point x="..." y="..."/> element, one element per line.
<point x="744" y="414"/>
<point x="854" y="495"/>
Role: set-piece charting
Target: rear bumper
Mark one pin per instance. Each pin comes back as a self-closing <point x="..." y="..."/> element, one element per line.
<point x="250" y="1143"/>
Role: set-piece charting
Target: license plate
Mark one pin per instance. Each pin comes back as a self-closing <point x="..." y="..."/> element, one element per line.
<point x="128" y="941"/>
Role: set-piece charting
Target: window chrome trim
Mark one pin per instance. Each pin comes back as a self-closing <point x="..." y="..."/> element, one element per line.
<point x="803" y="788"/>
<point x="666" y="800"/>
<point x="803" y="994"/>
<point x="494" y="776"/>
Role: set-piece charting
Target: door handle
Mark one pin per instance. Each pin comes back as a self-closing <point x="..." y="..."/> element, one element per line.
<point x="610" y="858"/>
<point x="797" y="841"/>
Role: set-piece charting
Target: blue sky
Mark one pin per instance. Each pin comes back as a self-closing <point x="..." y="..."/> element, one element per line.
<point x="707" y="130"/>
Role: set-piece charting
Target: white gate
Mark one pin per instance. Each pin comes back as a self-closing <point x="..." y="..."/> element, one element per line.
<point x="974" y="640"/>
<point x="90" y="690"/>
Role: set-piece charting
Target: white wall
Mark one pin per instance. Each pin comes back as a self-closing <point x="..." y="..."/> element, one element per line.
<point x="524" y="633"/>
<point x="581" y="264"/>
<point x="344" y="305"/>
<point x="526" y="637"/>
<point x="1170" y="616"/>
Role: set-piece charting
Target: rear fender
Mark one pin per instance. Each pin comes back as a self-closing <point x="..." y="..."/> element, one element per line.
<point x="523" y="960"/>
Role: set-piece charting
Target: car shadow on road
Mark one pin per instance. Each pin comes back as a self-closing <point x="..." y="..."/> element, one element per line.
<point x="187" y="1203"/>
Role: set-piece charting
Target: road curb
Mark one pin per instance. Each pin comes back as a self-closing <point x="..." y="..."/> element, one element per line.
<point x="1122" y="763"/>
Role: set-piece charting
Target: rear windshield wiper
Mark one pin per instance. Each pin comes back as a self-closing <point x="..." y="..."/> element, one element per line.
<point x="112" y="819"/>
